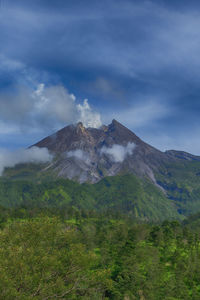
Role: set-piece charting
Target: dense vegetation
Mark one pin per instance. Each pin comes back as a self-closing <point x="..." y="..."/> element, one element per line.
<point x="110" y="240"/>
<point x="125" y="194"/>
<point x="56" y="254"/>
<point x="182" y="183"/>
<point x="129" y="194"/>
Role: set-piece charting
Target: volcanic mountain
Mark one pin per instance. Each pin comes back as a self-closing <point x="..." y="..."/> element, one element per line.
<point x="121" y="173"/>
<point x="90" y="154"/>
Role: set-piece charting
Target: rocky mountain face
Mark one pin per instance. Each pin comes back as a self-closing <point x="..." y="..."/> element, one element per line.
<point x="89" y="154"/>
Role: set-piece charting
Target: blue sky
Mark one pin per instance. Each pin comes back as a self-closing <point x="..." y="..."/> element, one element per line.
<point x="135" y="61"/>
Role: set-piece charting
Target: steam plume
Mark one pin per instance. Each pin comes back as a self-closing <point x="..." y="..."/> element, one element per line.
<point x="87" y="116"/>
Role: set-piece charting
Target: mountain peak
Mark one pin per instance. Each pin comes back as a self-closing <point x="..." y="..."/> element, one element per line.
<point x="115" y="123"/>
<point x="89" y="154"/>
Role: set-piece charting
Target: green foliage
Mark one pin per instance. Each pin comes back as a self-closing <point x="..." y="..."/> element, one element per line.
<point x="43" y="259"/>
<point x="96" y="257"/>
<point x="182" y="182"/>
<point x="117" y="239"/>
<point x="28" y="184"/>
<point x="138" y="199"/>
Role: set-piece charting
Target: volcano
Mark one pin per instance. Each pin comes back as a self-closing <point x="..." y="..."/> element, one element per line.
<point x="90" y="154"/>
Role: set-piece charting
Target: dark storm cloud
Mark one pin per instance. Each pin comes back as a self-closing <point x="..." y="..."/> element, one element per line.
<point x="131" y="55"/>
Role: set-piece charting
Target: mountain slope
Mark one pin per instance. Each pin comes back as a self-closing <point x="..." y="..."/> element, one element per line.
<point x="89" y="154"/>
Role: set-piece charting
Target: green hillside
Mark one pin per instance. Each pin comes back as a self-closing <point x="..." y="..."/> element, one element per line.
<point x="139" y="199"/>
<point x="182" y="183"/>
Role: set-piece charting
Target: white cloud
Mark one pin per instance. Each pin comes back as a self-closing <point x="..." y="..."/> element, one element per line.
<point x="8" y="64"/>
<point x="118" y="152"/>
<point x="79" y="154"/>
<point x="54" y="102"/>
<point x="48" y="107"/>
<point x="31" y="155"/>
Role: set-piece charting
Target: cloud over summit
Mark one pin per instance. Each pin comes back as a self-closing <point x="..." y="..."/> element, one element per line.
<point x="45" y="107"/>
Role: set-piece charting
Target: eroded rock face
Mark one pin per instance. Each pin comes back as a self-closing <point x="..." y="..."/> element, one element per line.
<point x="89" y="154"/>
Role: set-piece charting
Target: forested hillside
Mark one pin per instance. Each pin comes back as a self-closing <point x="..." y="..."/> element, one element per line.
<point x="127" y="194"/>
